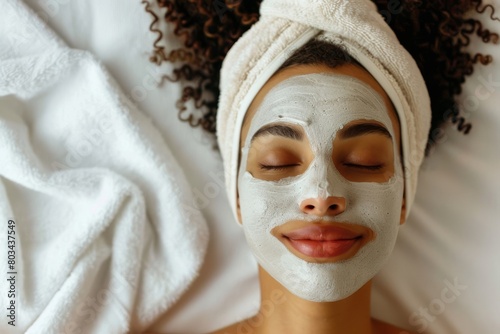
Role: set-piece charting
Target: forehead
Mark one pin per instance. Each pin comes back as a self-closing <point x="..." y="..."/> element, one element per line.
<point x="300" y="70"/>
<point x="322" y="101"/>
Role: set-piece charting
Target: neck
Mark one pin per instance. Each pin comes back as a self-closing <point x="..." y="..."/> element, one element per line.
<point x="283" y="312"/>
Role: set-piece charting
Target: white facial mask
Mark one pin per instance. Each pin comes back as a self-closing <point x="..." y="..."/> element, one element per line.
<point x="321" y="104"/>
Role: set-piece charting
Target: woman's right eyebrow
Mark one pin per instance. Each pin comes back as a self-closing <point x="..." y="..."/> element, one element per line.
<point x="281" y="130"/>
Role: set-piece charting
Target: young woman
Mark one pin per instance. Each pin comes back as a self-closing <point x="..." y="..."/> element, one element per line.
<point x="327" y="230"/>
<point x="329" y="143"/>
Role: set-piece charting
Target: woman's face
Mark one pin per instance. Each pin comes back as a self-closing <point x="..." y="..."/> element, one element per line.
<point x="320" y="181"/>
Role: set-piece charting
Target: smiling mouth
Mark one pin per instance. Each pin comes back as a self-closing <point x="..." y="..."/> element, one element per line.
<point x="328" y="242"/>
<point x="323" y="248"/>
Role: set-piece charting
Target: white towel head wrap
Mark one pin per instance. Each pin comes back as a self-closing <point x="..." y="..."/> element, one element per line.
<point x="286" y="25"/>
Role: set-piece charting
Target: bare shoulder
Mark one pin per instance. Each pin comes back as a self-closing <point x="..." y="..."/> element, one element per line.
<point x="380" y="327"/>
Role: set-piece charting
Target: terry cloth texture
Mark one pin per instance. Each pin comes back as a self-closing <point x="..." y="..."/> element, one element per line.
<point x="101" y="229"/>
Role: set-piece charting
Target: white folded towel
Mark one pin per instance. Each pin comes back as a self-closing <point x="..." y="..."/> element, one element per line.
<point x="286" y="25"/>
<point x="107" y="235"/>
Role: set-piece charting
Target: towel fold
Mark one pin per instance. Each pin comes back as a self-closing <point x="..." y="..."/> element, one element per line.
<point x="107" y="236"/>
<point x="285" y="26"/>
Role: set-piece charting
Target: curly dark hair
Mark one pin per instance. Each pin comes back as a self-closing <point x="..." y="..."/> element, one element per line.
<point x="435" y="33"/>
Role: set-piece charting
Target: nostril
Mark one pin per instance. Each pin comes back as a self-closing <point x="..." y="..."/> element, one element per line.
<point x="321" y="207"/>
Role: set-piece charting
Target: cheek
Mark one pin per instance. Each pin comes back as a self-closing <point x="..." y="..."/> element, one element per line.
<point x="258" y="203"/>
<point x="267" y="204"/>
<point x="253" y="197"/>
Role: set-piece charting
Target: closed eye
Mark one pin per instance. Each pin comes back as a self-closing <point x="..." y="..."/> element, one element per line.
<point x="366" y="167"/>
<point x="277" y="168"/>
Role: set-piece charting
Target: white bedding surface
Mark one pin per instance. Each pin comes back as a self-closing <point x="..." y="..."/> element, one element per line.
<point x="450" y="239"/>
<point x="95" y="201"/>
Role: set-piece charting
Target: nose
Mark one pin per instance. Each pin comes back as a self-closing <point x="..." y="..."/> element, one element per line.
<point x="330" y="206"/>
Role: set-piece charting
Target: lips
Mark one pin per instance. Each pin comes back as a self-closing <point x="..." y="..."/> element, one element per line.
<point x="323" y="241"/>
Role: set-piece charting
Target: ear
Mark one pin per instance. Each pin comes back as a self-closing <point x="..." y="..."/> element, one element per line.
<point x="403" y="212"/>
<point x="238" y="210"/>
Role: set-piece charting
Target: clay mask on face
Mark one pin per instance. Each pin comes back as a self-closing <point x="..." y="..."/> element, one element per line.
<point x="321" y="104"/>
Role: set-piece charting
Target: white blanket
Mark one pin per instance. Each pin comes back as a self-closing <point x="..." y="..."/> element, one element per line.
<point x="106" y="234"/>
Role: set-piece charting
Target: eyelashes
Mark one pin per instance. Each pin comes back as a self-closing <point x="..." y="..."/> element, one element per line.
<point x="348" y="165"/>
<point x="277" y="168"/>
<point x="365" y="167"/>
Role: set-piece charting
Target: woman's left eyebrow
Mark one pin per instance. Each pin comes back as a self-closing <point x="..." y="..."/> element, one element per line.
<point x="281" y="130"/>
<point x="363" y="129"/>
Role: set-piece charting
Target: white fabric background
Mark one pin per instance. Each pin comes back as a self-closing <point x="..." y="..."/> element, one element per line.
<point x="100" y="204"/>
<point x="451" y="234"/>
